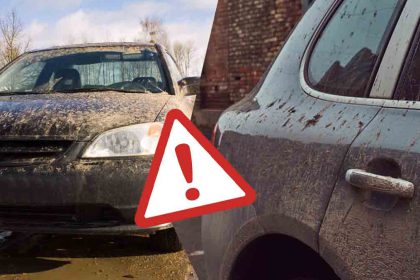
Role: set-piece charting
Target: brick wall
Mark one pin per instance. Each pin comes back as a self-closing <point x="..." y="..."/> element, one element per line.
<point x="246" y="36"/>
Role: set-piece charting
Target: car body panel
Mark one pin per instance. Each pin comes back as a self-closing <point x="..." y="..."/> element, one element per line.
<point x="368" y="235"/>
<point x="45" y="189"/>
<point x="289" y="146"/>
<point x="75" y="116"/>
<point x="294" y="145"/>
<point x="66" y="183"/>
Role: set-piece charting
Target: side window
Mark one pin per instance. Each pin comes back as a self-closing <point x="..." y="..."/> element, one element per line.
<point x="173" y="67"/>
<point x="344" y="57"/>
<point x="27" y="78"/>
<point x="409" y="86"/>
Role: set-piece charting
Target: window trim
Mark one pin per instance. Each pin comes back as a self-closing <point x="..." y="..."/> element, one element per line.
<point x="397" y="50"/>
<point x="406" y="22"/>
<point x="414" y="47"/>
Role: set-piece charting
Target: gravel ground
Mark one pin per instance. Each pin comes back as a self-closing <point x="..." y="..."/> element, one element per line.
<point x="77" y="257"/>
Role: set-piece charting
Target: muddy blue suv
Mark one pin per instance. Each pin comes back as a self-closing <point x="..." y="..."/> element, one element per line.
<point x="330" y="141"/>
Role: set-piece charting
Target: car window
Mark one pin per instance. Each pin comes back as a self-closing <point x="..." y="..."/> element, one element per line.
<point x="111" y="72"/>
<point x="409" y="86"/>
<point x="139" y="70"/>
<point x="344" y="57"/>
<point x="25" y="81"/>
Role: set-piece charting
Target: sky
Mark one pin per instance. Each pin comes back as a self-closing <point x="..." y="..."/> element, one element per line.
<point x="58" y="22"/>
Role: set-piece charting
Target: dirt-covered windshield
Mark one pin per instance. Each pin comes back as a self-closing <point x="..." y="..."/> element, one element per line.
<point x="92" y="69"/>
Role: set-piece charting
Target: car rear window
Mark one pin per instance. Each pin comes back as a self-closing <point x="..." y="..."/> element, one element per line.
<point x="344" y="57"/>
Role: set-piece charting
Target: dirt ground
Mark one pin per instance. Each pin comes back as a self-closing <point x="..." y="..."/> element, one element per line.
<point x="92" y="257"/>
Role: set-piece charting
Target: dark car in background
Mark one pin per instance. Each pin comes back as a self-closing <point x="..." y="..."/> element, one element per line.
<point x="79" y="126"/>
<point x="330" y="141"/>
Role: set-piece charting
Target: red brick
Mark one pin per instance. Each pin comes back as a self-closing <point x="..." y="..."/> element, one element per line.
<point x="246" y="36"/>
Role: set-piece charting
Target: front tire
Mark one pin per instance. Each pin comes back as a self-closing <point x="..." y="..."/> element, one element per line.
<point x="166" y="241"/>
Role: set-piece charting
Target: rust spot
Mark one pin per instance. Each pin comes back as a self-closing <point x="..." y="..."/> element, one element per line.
<point x="313" y="122"/>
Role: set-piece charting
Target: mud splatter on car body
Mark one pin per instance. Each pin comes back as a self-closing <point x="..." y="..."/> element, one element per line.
<point x="309" y="220"/>
<point x="46" y="185"/>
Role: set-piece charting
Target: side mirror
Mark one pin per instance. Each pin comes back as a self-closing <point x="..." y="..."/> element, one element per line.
<point x="189" y="86"/>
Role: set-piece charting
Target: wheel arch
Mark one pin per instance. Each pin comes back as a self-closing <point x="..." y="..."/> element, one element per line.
<point x="271" y="228"/>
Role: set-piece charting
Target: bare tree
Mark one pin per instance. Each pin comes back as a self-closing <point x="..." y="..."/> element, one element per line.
<point x="13" y="41"/>
<point x="184" y="55"/>
<point x="154" y="31"/>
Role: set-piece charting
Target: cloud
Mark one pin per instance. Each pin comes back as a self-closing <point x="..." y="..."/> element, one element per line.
<point x="94" y="25"/>
<point x="50" y="5"/>
<point x="123" y="24"/>
<point x="197" y="33"/>
<point x="35" y="30"/>
<point x="200" y="4"/>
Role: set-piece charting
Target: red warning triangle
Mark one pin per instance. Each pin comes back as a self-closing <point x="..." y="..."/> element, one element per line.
<point x="189" y="177"/>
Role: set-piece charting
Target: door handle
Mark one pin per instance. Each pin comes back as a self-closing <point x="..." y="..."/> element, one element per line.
<point x="383" y="184"/>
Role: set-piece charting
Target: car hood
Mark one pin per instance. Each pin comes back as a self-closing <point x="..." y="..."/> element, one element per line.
<point x="75" y="116"/>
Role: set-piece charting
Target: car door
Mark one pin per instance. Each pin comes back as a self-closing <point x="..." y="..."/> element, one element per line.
<point x="372" y="226"/>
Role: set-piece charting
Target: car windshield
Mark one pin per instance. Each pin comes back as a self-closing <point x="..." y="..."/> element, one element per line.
<point x="134" y="69"/>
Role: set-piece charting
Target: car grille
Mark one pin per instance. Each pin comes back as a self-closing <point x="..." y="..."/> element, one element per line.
<point x="21" y="153"/>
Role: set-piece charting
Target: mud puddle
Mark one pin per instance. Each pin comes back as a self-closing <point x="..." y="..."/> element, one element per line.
<point x="92" y="257"/>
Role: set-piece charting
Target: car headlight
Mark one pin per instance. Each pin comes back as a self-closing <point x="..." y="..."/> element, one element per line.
<point x="135" y="140"/>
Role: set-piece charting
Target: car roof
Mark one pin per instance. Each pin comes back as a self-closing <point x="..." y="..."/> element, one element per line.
<point x="93" y="45"/>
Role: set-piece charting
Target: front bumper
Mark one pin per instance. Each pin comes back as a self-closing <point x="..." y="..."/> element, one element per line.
<point x="74" y="196"/>
<point x="86" y="230"/>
